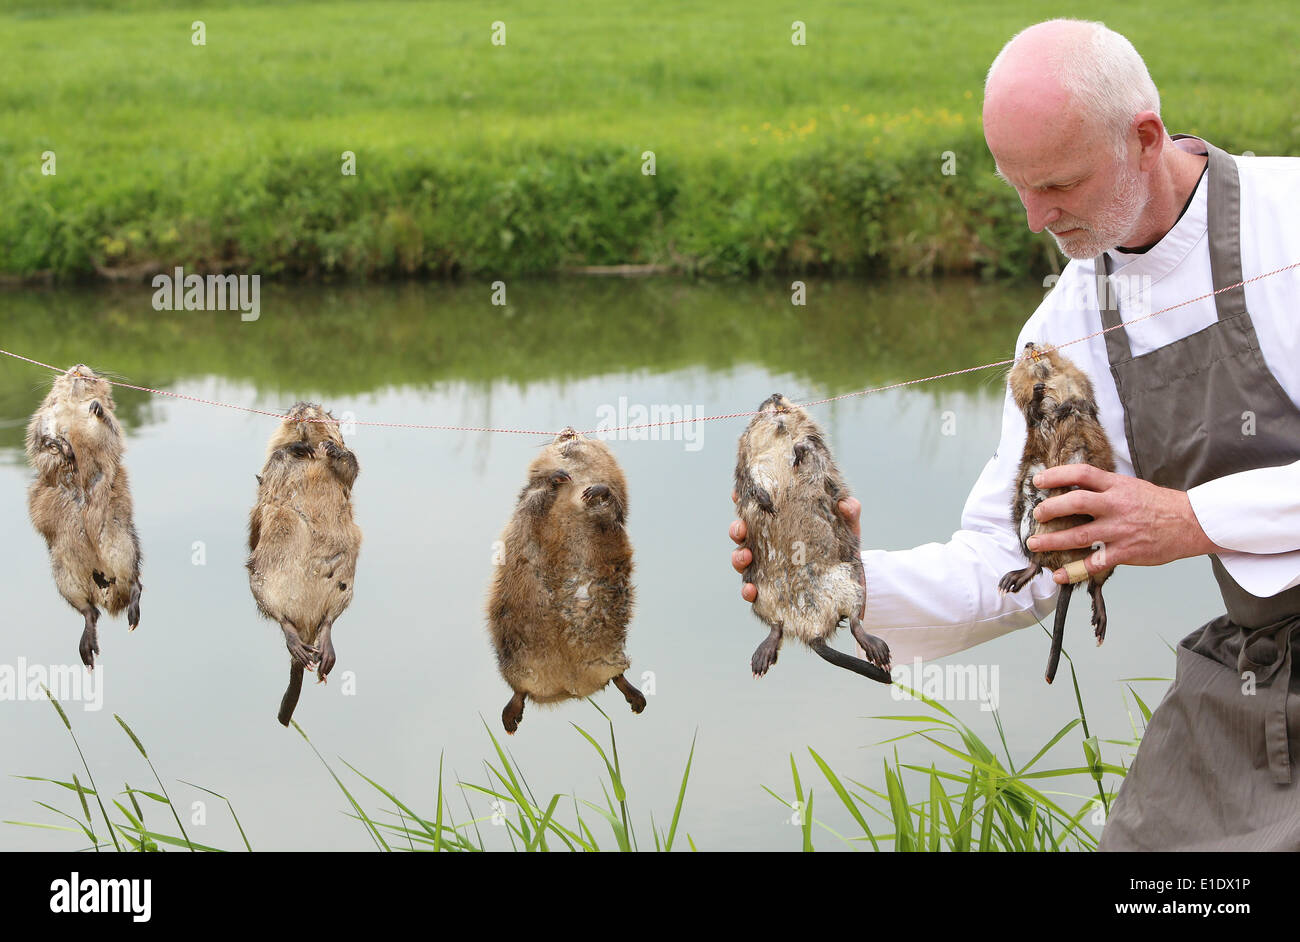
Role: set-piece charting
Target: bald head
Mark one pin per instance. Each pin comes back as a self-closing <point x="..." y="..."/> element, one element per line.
<point x="1066" y="78"/>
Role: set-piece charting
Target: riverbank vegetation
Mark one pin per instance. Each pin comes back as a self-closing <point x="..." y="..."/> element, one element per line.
<point x="858" y="152"/>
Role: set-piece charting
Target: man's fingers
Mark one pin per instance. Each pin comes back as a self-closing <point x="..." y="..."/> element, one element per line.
<point x="1081" y="569"/>
<point x="737" y="531"/>
<point x="1072" y="475"/>
<point x="1089" y="503"/>
<point x="741" y="559"/>
<point x="1081" y="537"/>
<point x="850" y="509"/>
<point x="749" y="592"/>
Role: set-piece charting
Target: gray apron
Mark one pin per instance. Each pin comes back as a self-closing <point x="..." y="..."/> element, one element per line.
<point x="1216" y="769"/>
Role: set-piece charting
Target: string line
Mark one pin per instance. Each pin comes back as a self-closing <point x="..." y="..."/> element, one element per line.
<point x="697" y="419"/>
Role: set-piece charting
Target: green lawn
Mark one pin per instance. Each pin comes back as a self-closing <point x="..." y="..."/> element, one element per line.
<point x="527" y="157"/>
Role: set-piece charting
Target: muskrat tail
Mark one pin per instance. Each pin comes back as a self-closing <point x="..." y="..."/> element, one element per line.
<point x="291" y="693"/>
<point x="849" y="662"/>
<point x="1058" y="632"/>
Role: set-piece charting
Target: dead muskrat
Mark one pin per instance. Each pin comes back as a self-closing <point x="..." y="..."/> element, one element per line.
<point x="806" y="563"/>
<point x="1061" y="421"/>
<point x="561" y="596"/>
<point x="81" y="503"/>
<point x="302" y="542"/>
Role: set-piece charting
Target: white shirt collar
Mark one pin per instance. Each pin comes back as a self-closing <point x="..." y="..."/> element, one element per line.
<point x="1191" y="228"/>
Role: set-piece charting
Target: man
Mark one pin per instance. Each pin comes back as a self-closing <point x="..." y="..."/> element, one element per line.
<point x="1202" y="406"/>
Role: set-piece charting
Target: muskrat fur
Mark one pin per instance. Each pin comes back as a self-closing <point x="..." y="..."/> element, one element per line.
<point x="302" y="541"/>
<point x="806" y="562"/>
<point x="1062" y="425"/>
<point x="80" y="501"/>
<point x="561" y="595"/>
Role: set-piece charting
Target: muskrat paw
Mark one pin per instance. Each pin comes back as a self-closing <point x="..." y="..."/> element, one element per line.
<point x="597" y="492"/>
<point x="325" y="663"/>
<point x="304" y="655"/>
<point x="513" y="714"/>
<point x="765" y="655"/>
<point x="89" y="647"/>
<point x="300" y="450"/>
<point x="1017" y="579"/>
<point x="875" y="649"/>
<point x="635" y="698"/>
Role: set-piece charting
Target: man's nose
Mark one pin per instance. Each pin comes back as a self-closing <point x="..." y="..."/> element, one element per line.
<point x="1039" y="211"/>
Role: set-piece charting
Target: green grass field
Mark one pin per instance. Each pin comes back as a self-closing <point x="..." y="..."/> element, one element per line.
<point x="525" y="158"/>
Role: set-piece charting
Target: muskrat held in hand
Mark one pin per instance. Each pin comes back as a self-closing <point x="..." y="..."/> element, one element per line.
<point x="561" y="596"/>
<point x="806" y="563"/>
<point x="1062" y="428"/>
<point x="81" y="503"/>
<point x="302" y="541"/>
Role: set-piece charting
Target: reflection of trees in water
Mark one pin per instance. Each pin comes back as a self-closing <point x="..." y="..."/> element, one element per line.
<point x="341" y="341"/>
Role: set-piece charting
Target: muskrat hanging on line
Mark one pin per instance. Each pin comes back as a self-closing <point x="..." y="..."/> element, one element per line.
<point x="1062" y="425"/>
<point x="80" y="501"/>
<point x="806" y="563"/>
<point x="302" y="541"/>
<point x="561" y="595"/>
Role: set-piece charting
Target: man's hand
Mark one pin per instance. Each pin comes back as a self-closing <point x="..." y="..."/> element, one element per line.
<point x="1136" y="522"/>
<point x="850" y="509"/>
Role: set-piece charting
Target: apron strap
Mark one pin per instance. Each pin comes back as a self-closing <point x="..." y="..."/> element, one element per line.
<point x="1118" y="349"/>
<point x="1224" y="213"/>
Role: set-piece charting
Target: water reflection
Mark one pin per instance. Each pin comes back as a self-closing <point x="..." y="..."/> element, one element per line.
<point x="200" y="680"/>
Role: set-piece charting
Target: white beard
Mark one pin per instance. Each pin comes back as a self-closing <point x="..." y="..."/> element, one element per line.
<point x="1110" y="227"/>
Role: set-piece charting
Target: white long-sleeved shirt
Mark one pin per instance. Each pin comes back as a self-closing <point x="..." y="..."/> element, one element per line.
<point x="941" y="598"/>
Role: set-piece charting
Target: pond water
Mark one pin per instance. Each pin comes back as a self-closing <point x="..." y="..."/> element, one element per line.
<point x="416" y="680"/>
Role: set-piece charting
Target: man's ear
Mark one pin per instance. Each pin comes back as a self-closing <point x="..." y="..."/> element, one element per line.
<point x="1151" y="136"/>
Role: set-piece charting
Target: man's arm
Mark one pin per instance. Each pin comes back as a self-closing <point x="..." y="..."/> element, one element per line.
<point x="941" y="598"/>
<point x="1251" y="519"/>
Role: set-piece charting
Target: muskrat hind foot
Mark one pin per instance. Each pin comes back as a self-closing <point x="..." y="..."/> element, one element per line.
<point x="874" y="648"/>
<point x="1017" y="579"/>
<point x="1098" y="612"/>
<point x="89" y="646"/>
<point x="765" y="655"/>
<point x="325" y="664"/>
<point x="634" y="697"/>
<point x="133" y="607"/>
<point x="597" y="492"/>
<point x="304" y="655"/>
<point x="513" y="714"/>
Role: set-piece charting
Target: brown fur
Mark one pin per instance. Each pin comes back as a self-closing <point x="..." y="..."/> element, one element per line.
<point x="302" y="541"/>
<point x="1060" y="411"/>
<point x="806" y="564"/>
<point x="561" y="596"/>
<point x="80" y="501"/>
